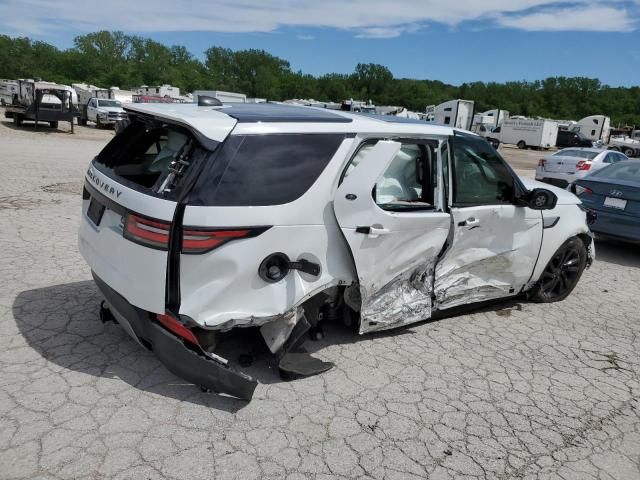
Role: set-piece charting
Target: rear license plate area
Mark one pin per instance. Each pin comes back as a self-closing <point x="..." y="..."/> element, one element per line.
<point x="95" y="211"/>
<point x="618" y="203"/>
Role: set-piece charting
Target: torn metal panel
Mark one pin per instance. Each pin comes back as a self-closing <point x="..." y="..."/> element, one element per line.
<point x="405" y="299"/>
<point x="275" y="333"/>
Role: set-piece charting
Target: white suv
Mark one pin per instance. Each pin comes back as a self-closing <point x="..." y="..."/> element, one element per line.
<point x="199" y="219"/>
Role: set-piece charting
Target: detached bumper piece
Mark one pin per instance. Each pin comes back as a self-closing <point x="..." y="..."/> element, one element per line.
<point x="187" y="362"/>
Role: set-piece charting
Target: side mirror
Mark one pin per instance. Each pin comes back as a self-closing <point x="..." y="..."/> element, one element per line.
<point x="541" y="199"/>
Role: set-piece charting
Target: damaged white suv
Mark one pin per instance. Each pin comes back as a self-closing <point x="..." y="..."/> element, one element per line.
<point x="201" y="219"/>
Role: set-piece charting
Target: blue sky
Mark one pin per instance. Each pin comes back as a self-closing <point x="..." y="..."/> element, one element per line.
<point x="452" y="41"/>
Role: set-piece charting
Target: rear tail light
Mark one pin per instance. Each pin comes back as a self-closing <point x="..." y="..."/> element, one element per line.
<point x="579" y="190"/>
<point x="177" y="327"/>
<point x="145" y="231"/>
<point x="201" y="241"/>
<point x="583" y="165"/>
<point x="542" y="162"/>
<point x="155" y="234"/>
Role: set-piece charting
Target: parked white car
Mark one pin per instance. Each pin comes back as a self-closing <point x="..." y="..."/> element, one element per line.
<point x="200" y="219"/>
<point x="570" y="164"/>
<point x="105" y="111"/>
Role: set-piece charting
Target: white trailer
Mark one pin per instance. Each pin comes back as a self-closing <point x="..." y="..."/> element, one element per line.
<point x="224" y="97"/>
<point x="8" y="89"/>
<point x="455" y="113"/>
<point x="594" y="127"/>
<point x="166" y="91"/>
<point x="529" y="133"/>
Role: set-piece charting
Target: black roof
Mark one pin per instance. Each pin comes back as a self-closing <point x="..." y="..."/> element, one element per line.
<point x="273" y="112"/>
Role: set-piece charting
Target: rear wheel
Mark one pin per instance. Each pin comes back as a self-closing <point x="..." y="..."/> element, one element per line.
<point x="629" y="152"/>
<point x="522" y="145"/>
<point x="562" y="273"/>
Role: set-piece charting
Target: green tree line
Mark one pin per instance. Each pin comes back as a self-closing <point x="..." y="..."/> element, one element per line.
<point x="117" y="59"/>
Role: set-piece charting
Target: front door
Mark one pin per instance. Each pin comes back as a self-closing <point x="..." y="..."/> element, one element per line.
<point x="495" y="244"/>
<point x="390" y="214"/>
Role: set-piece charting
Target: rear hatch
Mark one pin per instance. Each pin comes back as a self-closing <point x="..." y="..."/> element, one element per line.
<point x="132" y="191"/>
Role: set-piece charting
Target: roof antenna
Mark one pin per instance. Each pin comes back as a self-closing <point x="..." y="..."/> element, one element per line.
<point x="206" y="101"/>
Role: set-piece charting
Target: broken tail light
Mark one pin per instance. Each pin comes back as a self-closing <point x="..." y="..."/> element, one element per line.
<point x="583" y="165"/>
<point x="177" y="327"/>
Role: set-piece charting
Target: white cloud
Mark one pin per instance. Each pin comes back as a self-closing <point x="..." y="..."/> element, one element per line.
<point x="594" y="19"/>
<point x="305" y="37"/>
<point x="366" y="18"/>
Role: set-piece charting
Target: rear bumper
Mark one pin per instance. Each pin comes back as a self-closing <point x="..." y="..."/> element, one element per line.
<point x="617" y="226"/>
<point x="189" y="364"/>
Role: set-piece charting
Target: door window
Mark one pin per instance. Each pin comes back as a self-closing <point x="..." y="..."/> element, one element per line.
<point x="481" y="177"/>
<point x="407" y="183"/>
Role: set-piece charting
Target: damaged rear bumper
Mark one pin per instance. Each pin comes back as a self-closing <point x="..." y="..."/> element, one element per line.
<point x="192" y="365"/>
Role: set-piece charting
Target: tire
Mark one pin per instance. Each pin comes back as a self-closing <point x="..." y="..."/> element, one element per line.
<point x="615" y="149"/>
<point x="562" y="273"/>
<point x="522" y="145"/>
<point x="629" y="152"/>
<point x="53" y="124"/>
<point x="17" y="119"/>
<point x="82" y="121"/>
<point x="98" y="123"/>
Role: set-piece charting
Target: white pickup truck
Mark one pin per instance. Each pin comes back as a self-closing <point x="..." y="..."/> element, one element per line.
<point x="104" y="111"/>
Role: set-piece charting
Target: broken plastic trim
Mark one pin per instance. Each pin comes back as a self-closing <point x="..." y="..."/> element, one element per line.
<point x="185" y="360"/>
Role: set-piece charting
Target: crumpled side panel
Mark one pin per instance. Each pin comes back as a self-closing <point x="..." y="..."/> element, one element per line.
<point x="474" y="276"/>
<point x="406" y="299"/>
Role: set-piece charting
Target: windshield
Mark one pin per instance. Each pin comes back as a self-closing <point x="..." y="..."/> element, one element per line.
<point x="620" y="171"/>
<point x="109" y="103"/>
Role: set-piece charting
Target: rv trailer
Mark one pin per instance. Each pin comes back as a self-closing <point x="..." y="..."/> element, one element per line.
<point x="42" y="102"/>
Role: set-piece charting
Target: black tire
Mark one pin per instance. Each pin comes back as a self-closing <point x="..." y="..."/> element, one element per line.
<point x="522" y="145"/>
<point x="53" y="124"/>
<point x="562" y="273"/>
<point x="82" y="121"/>
<point x="629" y="152"/>
<point x="615" y="149"/>
<point x="17" y="119"/>
<point x="98" y="123"/>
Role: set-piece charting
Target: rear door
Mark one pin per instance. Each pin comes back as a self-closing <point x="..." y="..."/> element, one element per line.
<point x="388" y="210"/>
<point x="129" y="202"/>
<point x="494" y="244"/>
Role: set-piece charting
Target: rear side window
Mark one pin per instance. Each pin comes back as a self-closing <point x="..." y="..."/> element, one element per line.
<point x="262" y="170"/>
<point x="620" y="171"/>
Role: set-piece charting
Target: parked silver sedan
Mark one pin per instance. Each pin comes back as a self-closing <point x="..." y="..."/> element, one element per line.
<point x="570" y="164"/>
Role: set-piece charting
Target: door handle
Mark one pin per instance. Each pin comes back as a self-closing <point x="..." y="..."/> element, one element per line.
<point x="373" y="232"/>
<point x="469" y="222"/>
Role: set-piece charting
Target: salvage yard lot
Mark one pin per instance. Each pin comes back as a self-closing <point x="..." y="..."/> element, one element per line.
<point x="514" y="390"/>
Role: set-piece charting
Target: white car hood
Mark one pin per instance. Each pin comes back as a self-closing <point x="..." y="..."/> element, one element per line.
<point x="564" y="196"/>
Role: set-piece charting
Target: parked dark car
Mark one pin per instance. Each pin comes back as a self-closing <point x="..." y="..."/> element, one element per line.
<point x="572" y="139"/>
<point x="614" y="194"/>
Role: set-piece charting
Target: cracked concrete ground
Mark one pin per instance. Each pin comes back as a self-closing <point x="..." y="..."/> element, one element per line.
<point x="516" y="390"/>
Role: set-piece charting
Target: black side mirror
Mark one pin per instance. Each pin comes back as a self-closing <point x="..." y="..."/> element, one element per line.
<point x="541" y="199"/>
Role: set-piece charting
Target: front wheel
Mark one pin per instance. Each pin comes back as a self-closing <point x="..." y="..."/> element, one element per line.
<point x="562" y="273"/>
<point x="98" y="123"/>
<point x="522" y="145"/>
